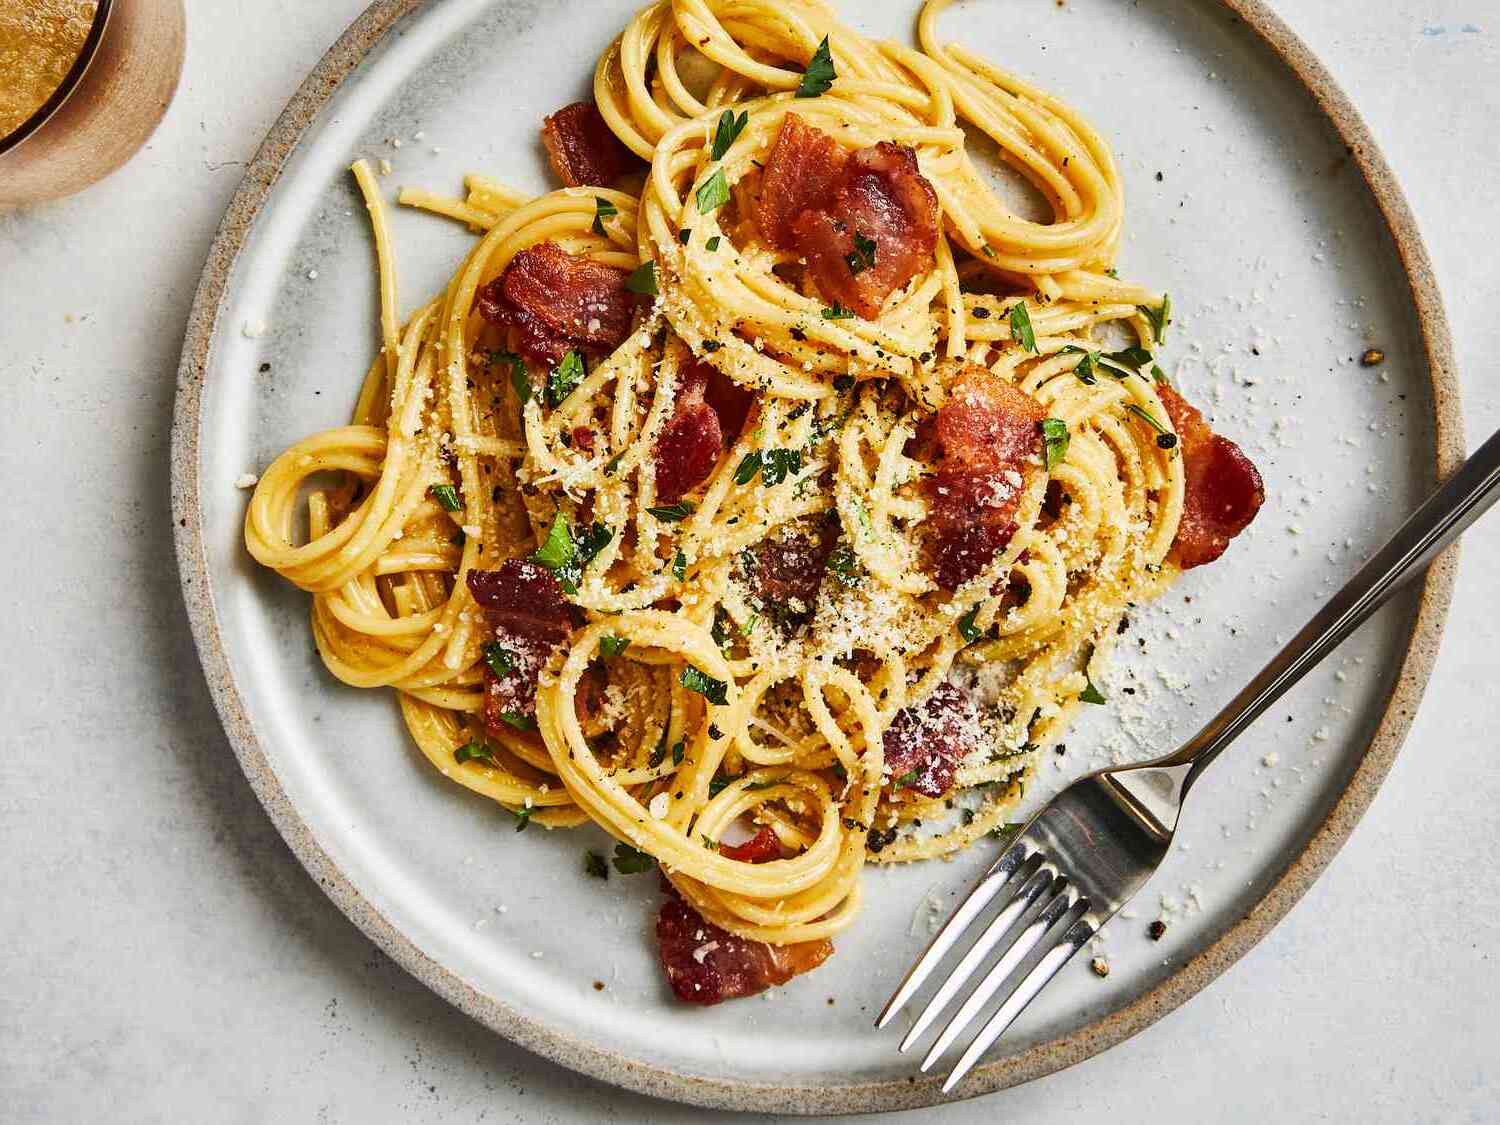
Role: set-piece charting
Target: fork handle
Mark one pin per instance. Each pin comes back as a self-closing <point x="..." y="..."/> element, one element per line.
<point x="1442" y="518"/>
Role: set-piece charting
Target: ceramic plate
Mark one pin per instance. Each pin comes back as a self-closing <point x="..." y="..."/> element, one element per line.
<point x="1254" y="196"/>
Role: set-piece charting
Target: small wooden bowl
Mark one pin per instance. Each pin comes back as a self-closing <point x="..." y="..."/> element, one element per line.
<point x="109" y="105"/>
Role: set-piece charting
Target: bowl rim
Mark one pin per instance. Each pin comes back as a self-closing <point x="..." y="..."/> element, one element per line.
<point x="70" y="83"/>
<point x="1415" y="665"/>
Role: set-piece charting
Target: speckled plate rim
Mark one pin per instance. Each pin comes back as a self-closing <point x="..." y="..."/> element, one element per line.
<point x="641" y="1075"/>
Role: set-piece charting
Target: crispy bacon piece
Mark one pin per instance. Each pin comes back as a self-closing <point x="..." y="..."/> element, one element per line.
<point x="557" y="302"/>
<point x="764" y="846"/>
<point x="524" y="606"/>
<point x="988" y="432"/>
<point x="878" y="232"/>
<point x="707" y="965"/>
<point x="583" y="150"/>
<point x="710" y="409"/>
<point x="831" y="206"/>
<point x="785" y="572"/>
<point x="925" y="744"/>
<point x="1224" y="488"/>
<point x="800" y="174"/>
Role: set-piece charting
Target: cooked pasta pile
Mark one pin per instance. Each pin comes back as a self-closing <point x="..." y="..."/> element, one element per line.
<point x="708" y="709"/>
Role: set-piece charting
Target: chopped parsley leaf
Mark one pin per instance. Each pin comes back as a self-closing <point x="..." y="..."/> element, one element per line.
<point x="837" y="311"/>
<point x="518" y="720"/>
<point x="967" y="628"/>
<point x="715" y="691"/>
<point x="679" y="566"/>
<point x="475" y="751"/>
<point x="843" y="564"/>
<point x="632" y="861"/>
<point x="603" y="209"/>
<point x="1159" y="318"/>
<point x="594" y="865"/>
<point x="819" y="75"/>
<point x="1020" y="327"/>
<point x="749" y="465"/>
<point x="1091" y="694"/>
<point x="447" y="496"/>
<point x="565" y="377"/>
<point x="778" y="464"/>
<point x="500" y="659"/>
<point x="906" y="779"/>
<point x="557" y="551"/>
<point x="727" y="132"/>
<point x="642" y="280"/>
<point x="610" y="646"/>
<point x="679" y="748"/>
<point x="674" y="513"/>
<point x="862" y="257"/>
<point x="1054" y="441"/>
<point x="714" y="193"/>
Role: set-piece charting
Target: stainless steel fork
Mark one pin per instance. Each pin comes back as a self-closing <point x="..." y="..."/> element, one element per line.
<point x="1080" y="859"/>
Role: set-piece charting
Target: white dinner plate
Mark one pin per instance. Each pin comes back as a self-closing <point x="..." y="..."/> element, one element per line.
<point x="1254" y="196"/>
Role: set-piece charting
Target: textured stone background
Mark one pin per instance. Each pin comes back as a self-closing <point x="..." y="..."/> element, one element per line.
<point x="164" y="958"/>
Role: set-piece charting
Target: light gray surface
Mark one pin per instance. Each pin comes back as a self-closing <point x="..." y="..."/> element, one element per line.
<point x="163" y="957"/>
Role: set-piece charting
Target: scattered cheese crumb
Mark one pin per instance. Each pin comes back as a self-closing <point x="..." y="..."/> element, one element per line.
<point x="659" y="805"/>
<point x="246" y="480"/>
<point x="253" y="328"/>
<point x="384" y="166"/>
<point x="1270" y="759"/>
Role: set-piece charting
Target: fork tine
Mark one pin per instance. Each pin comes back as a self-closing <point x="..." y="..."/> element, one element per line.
<point x="1078" y="932"/>
<point x="1025" y="942"/>
<point x="988" y="887"/>
<point x="999" y="926"/>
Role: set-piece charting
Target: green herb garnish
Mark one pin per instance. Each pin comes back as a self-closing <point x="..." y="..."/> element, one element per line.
<point x="819" y="75"/>
<point x="518" y="720"/>
<point x="674" y="513"/>
<point x="862" y="257"/>
<point x="610" y="646"/>
<point x="679" y="748"/>
<point x="837" y="311"/>
<point x="594" y="865"/>
<point x="522" y="815"/>
<point x="632" y="861"/>
<point x="1091" y="694"/>
<point x="715" y="691"/>
<point x="603" y="209"/>
<point x="447" y="496"/>
<point x="967" y="627"/>
<point x="520" y="380"/>
<point x="1159" y="318"/>
<point x="679" y="566"/>
<point x="565" y="377"/>
<point x="727" y="132"/>
<point x="778" y="464"/>
<point x="556" y="551"/>
<point x="476" y="751"/>
<point x="1020" y="327"/>
<point x="642" y="280"/>
<point x="714" y="193"/>
<point x="749" y="465"/>
<point x="1054" y="441"/>
<point x="1165" y="438"/>
<point x="500" y="659"/>
<point x="906" y="779"/>
<point x="843" y="564"/>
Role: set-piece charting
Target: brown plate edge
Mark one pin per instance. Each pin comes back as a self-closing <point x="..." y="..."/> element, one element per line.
<point x="1042" y="1059"/>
